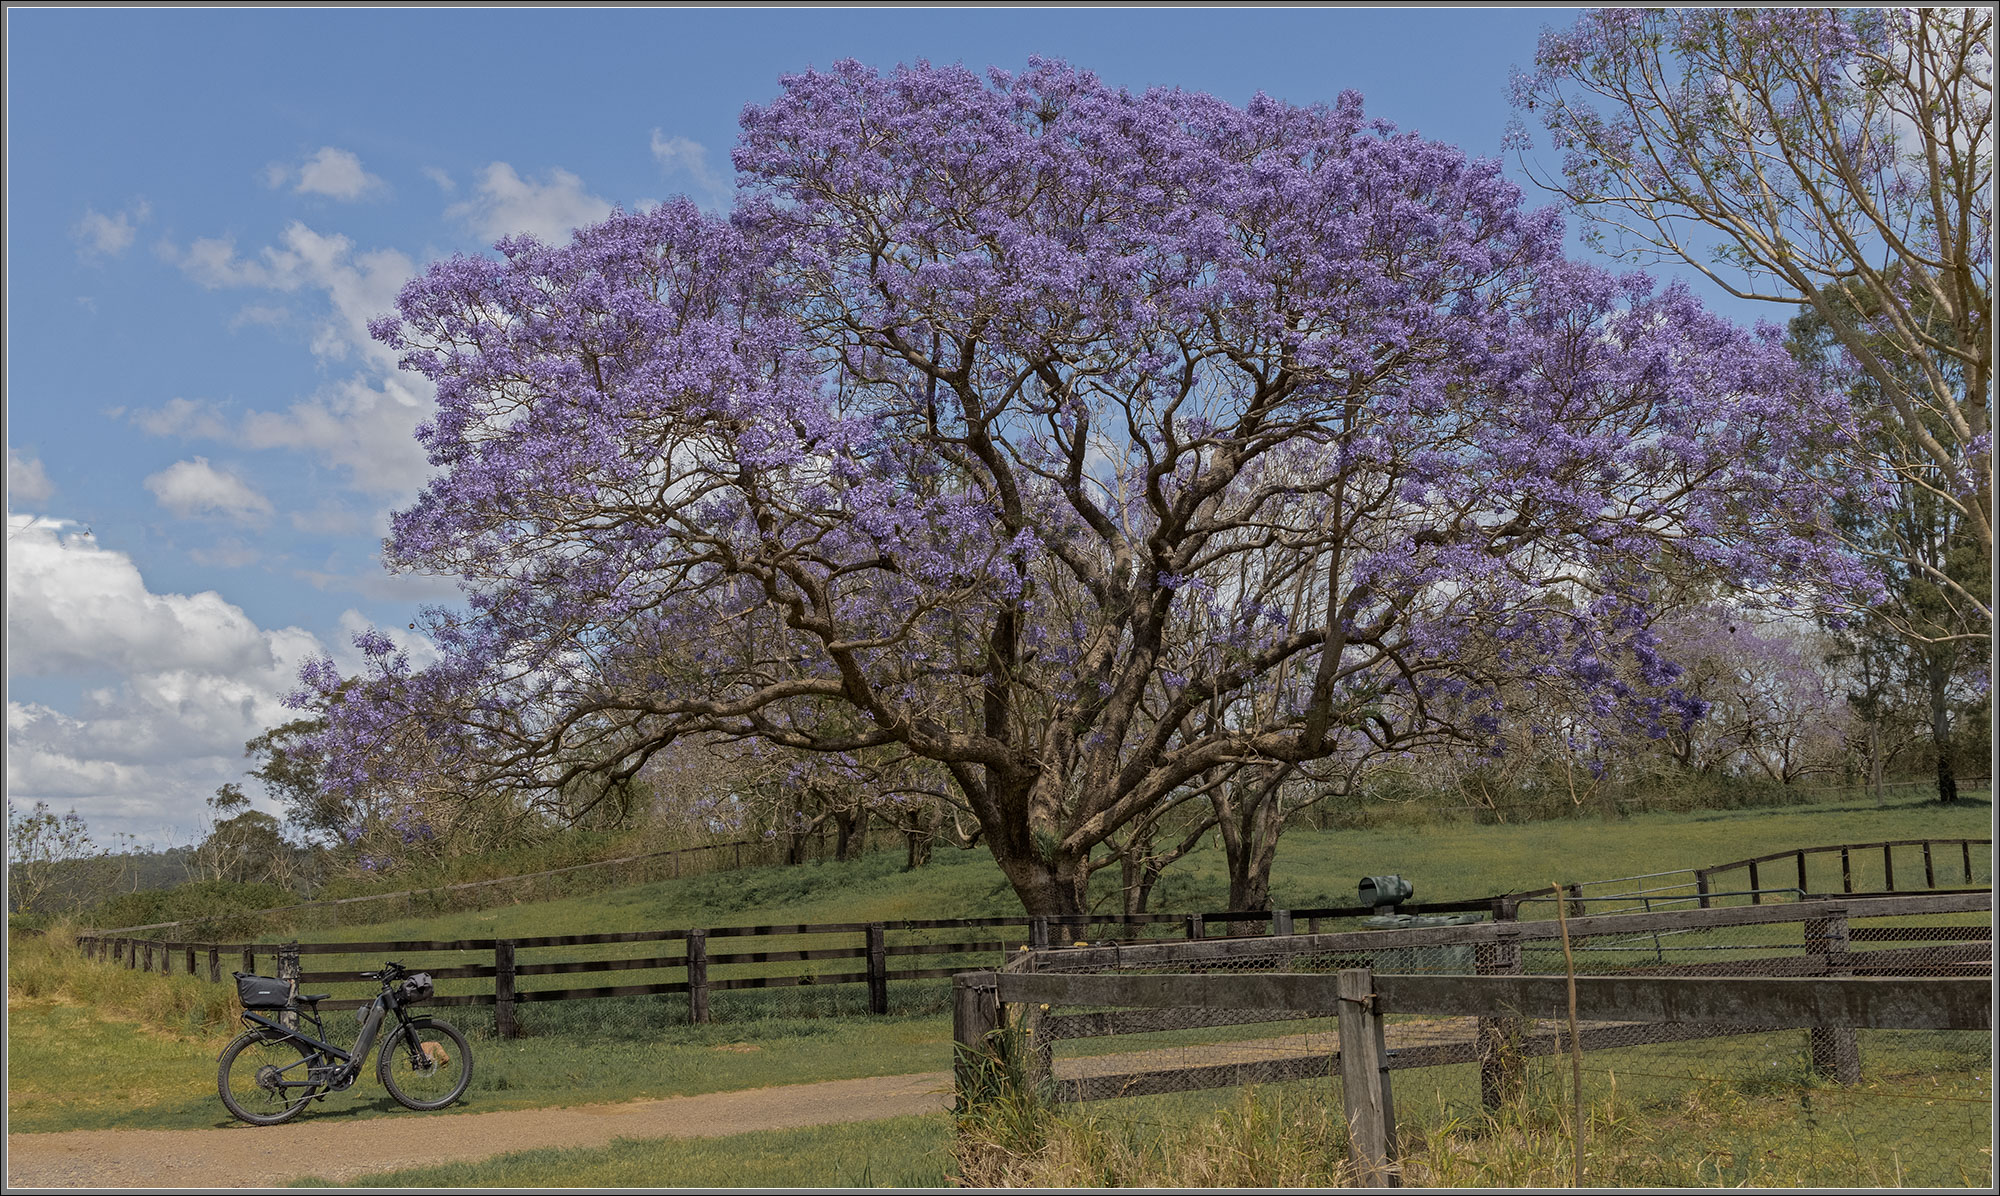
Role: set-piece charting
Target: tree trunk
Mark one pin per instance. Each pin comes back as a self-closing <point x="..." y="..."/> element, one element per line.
<point x="850" y="833"/>
<point x="1251" y="821"/>
<point x="917" y="841"/>
<point x="1048" y="889"/>
<point x="1940" y="683"/>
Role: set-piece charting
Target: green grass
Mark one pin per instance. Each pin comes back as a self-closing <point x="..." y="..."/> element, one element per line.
<point x="903" y="1152"/>
<point x="73" y="1068"/>
<point x="1446" y="860"/>
<point x="1739" y="1111"/>
<point x="90" y="1046"/>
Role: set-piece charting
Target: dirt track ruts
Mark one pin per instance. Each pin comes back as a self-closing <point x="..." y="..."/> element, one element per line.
<point x="339" y="1149"/>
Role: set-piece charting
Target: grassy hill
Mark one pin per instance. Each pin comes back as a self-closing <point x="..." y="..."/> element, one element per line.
<point x="1445" y="860"/>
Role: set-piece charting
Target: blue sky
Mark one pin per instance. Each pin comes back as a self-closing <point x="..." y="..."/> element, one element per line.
<point x="204" y="207"/>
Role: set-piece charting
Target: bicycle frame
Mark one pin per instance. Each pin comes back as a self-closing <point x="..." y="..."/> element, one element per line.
<point x="348" y="1063"/>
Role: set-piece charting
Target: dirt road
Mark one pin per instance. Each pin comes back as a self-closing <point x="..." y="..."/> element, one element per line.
<point x="270" y="1156"/>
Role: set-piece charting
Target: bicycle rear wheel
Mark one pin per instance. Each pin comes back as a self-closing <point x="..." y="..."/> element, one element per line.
<point x="262" y="1077"/>
<point x="425" y="1065"/>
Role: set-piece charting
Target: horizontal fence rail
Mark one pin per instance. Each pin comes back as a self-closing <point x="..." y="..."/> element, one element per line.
<point x="506" y="973"/>
<point x="1881" y="1003"/>
<point x="1750" y="991"/>
<point x="692" y="963"/>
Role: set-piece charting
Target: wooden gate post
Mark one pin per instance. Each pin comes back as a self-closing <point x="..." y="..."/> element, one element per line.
<point x="214" y="964"/>
<point x="697" y="942"/>
<point x="288" y="971"/>
<point x="190" y="959"/>
<point x="249" y="961"/>
<point x="878" y="970"/>
<point x="504" y="1023"/>
<point x="975" y="1015"/>
<point x="1499" y="1038"/>
<point x="1835" y="1053"/>
<point x="1364" y="1082"/>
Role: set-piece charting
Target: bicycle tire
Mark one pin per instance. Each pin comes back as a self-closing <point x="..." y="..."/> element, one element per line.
<point x="249" y="1068"/>
<point x="417" y="1085"/>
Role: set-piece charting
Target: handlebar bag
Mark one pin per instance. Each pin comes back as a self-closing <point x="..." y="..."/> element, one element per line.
<point x="416" y="987"/>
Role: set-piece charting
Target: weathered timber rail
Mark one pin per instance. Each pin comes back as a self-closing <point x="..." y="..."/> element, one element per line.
<point x="1936" y="857"/>
<point x="1675" y="1008"/>
<point x="697" y="961"/>
<point x="1917" y="963"/>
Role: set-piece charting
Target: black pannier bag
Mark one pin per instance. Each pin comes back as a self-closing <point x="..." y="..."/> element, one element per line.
<point x="262" y="992"/>
<point x="416" y="987"/>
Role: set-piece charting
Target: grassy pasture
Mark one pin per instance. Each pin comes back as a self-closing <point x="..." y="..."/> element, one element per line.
<point x="91" y="1046"/>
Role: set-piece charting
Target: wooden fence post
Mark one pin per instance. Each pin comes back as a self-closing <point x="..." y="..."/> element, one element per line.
<point x="1194" y="927"/>
<point x="1038" y="933"/>
<point x="975" y="1015"/>
<point x="1364" y="1082"/>
<point x="249" y="961"/>
<point x="149" y="957"/>
<point x="190" y="959"/>
<point x="1281" y="922"/>
<point x="1835" y="1053"/>
<point x="697" y="968"/>
<point x="1499" y="1038"/>
<point x="214" y="964"/>
<point x="1701" y="887"/>
<point x="878" y="970"/>
<point x="504" y="1023"/>
<point x="288" y="971"/>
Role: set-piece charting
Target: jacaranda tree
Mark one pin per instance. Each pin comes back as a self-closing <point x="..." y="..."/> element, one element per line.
<point x="1084" y="444"/>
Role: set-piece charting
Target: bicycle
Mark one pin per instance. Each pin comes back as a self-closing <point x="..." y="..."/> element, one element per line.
<point x="272" y="1071"/>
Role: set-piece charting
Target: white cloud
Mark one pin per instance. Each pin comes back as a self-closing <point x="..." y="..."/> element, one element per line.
<point x="679" y="156"/>
<point x="365" y="423"/>
<point x="27" y="481"/>
<point x="366" y="429"/>
<point x="194" y="418"/>
<point x="504" y="204"/>
<point x="444" y="182"/>
<point x="334" y="173"/>
<point x="98" y="235"/>
<point x="193" y="678"/>
<point x="191" y="488"/>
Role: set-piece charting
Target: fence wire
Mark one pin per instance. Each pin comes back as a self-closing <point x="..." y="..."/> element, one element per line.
<point x="1666" y="1104"/>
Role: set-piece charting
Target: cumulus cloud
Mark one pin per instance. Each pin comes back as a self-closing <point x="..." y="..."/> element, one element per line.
<point x="504" y="203"/>
<point x="684" y="159"/>
<point x="363" y="424"/>
<point x="444" y="182"/>
<point x="98" y="235"/>
<point x="195" y="488"/>
<point x="192" y="418"/>
<point x="191" y="679"/>
<point x="27" y="481"/>
<point x="334" y="173"/>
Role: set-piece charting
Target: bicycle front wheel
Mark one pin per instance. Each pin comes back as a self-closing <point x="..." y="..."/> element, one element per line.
<point x="263" y="1077"/>
<point x="425" y="1065"/>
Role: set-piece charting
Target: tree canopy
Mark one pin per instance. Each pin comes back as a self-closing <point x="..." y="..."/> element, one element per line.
<point x="1079" y="442"/>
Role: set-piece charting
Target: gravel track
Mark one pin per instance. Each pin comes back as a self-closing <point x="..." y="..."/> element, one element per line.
<point x="336" y="1149"/>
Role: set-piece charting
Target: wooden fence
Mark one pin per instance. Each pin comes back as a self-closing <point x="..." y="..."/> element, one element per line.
<point x="696" y="962"/>
<point x="1937" y="857"/>
<point x="1825" y="986"/>
<point x="1363" y="999"/>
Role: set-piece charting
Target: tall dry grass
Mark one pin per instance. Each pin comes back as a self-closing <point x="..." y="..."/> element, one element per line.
<point x="48" y="967"/>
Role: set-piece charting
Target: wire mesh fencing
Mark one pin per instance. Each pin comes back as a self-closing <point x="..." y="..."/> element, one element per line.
<point x="1652" y="1100"/>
